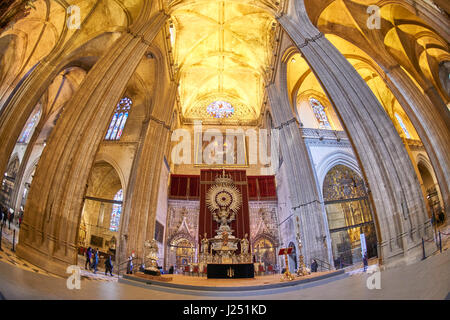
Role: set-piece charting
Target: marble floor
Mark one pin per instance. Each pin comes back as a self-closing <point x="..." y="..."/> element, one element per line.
<point x="426" y="279"/>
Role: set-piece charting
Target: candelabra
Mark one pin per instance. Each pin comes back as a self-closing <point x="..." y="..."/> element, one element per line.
<point x="302" y="269"/>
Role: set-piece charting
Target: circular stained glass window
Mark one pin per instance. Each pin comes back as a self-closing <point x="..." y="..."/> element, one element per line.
<point x="220" y="109"/>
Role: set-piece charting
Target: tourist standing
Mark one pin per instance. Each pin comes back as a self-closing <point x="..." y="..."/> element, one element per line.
<point x="95" y="261"/>
<point x="11" y="218"/>
<point x="88" y="258"/>
<point x="20" y="218"/>
<point x="130" y="265"/>
<point x="5" y="216"/>
<point x="365" y="261"/>
<point x="314" y="266"/>
<point x="108" y="265"/>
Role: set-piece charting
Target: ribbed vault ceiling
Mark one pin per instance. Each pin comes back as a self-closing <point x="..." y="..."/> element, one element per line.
<point x="222" y="51"/>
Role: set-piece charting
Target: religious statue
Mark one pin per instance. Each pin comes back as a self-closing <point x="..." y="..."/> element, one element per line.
<point x="244" y="245"/>
<point x="112" y="243"/>
<point x="225" y="238"/>
<point x="205" y="244"/>
<point x="224" y="200"/>
<point x="153" y="250"/>
<point x="153" y="257"/>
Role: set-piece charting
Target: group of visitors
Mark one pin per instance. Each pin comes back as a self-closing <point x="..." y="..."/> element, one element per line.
<point x="92" y="259"/>
<point x="7" y="216"/>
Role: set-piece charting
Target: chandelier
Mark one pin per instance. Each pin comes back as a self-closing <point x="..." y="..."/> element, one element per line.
<point x="220" y="109"/>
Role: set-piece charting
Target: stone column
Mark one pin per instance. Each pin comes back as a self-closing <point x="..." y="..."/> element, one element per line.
<point x="14" y="116"/>
<point x="431" y="123"/>
<point x="307" y="210"/>
<point x="18" y="103"/>
<point x="53" y="212"/>
<point x="394" y="186"/>
<point x="138" y="224"/>
<point x="16" y="197"/>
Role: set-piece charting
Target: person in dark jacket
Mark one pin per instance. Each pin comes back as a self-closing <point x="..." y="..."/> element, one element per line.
<point x="314" y="266"/>
<point x="365" y="261"/>
<point x="95" y="261"/>
<point x="88" y="258"/>
<point x="5" y="216"/>
<point x="11" y="218"/>
<point x="108" y="265"/>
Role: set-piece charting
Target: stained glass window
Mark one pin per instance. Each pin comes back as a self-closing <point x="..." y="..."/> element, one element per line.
<point x="29" y="127"/>
<point x="400" y="122"/>
<point x="116" y="211"/>
<point x="319" y="112"/>
<point x="119" y="119"/>
<point x="220" y="109"/>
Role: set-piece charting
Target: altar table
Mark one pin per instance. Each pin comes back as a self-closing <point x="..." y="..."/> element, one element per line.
<point x="230" y="271"/>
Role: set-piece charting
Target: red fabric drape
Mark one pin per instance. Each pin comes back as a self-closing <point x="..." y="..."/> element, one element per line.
<point x="179" y="185"/>
<point x="262" y="188"/>
<point x="241" y="225"/>
<point x="252" y="188"/>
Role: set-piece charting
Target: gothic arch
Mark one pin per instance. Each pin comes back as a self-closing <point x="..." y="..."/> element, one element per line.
<point x="23" y="181"/>
<point x="109" y="159"/>
<point x="181" y="236"/>
<point x="333" y="159"/>
<point x="266" y="236"/>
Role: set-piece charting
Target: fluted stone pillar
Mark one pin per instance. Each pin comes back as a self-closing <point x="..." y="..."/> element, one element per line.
<point x="431" y="123"/>
<point x="18" y="103"/>
<point x="430" y="118"/>
<point x="138" y="224"/>
<point x="307" y="209"/>
<point x="53" y="212"/>
<point x="23" y="165"/>
<point x="14" y="116"/>
<point x="395" y="190"/>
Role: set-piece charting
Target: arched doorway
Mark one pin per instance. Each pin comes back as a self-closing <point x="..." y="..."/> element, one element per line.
<point x="102" y="211"/>
<point x="350" y="219"/>
<point x="432" y="194"/>
<point x="181" y="252"/>
<point x="264" y="251"/>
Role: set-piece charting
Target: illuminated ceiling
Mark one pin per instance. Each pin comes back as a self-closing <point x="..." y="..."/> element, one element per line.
<point x="222" y="51"/>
